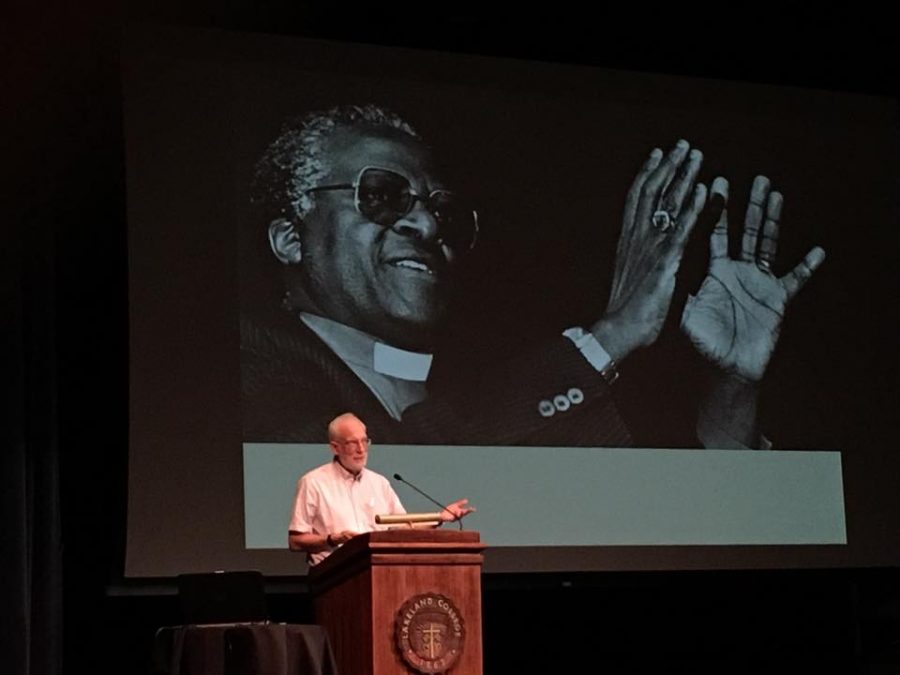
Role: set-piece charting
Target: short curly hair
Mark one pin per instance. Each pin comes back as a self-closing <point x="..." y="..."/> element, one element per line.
<point x="295" y="161"/>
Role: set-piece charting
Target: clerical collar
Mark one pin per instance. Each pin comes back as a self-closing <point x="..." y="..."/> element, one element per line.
<point x="363" y="350"/>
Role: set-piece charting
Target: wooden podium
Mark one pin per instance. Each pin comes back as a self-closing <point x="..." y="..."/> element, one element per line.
<point x="403" y="601"/>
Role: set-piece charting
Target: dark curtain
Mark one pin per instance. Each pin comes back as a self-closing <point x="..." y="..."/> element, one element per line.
<point x="31" y="560"/>
<point x="34" y="171"/>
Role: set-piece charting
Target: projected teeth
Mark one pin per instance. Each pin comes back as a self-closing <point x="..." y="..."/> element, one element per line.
<point x="413" y="265"/>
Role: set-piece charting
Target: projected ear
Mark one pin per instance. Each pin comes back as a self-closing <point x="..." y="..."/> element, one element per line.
<point x="285" y="241"/>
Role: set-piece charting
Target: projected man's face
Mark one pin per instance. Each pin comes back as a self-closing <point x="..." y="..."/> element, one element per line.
<point x="389" y="279"/>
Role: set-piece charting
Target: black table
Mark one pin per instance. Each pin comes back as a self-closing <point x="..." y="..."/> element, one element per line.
<point x="243" y="649"/>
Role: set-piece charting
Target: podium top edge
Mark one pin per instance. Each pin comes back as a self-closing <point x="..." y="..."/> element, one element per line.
<point x="445" y="542"/>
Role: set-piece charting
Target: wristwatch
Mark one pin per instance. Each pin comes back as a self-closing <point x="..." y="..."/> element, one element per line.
<point x="593" y="351"/>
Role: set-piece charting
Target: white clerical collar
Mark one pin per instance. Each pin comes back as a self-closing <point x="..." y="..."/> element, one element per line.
<point x="363" y="350"/>
<point x="400" y="363"/>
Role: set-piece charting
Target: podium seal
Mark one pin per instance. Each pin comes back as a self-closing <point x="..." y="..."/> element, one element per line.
<point x="429" y="633"/>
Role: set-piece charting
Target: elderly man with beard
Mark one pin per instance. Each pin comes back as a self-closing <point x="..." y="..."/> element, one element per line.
<point x="341" y="499"/>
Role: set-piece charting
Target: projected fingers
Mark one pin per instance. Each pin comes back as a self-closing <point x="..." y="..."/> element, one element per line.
<point x="759" y="195"/>
<point x="631" y="238"/>
<point x="661" y="210"/>
<point x="653" y="202"/>
<point x="735" y="318"/>
<point x="675" y="199"/>
<point x="794" y="280"/>
<point x="637" y="187"/>
<point x="768" y="242"/>
<point x="718" y="201"/>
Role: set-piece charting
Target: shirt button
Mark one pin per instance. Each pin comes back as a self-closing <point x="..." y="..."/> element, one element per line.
<point x="561" y="403"/>
<point x="575" y="395"/>
<point x="546" y="408"/>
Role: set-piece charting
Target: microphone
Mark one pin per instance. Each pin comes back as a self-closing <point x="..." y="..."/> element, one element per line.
<point x="397" y="476"/>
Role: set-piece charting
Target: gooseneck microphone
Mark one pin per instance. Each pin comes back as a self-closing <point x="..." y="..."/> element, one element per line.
<point x="397" y="476"/>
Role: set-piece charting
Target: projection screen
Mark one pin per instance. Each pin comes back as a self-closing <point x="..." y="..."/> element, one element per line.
<point x="256" y="312"/>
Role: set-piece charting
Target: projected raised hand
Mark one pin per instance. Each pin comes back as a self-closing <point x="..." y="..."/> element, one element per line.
<point x="735" y="319"/>
<point x="660" y="211"/>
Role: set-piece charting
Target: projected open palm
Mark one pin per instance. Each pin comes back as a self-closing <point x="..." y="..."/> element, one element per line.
<point x="735" y="318"/>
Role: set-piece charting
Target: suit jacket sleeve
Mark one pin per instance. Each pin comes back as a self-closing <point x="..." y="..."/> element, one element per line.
<point x="547" y="395"/>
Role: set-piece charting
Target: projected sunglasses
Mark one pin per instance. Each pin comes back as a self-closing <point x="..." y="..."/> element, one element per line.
<point x="383" y="197"/>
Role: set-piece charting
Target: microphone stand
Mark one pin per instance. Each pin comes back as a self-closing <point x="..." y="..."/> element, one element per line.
<point x="397" y="476"/>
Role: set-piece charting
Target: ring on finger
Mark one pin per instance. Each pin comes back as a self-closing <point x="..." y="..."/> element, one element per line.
<point x="663" y="220"/>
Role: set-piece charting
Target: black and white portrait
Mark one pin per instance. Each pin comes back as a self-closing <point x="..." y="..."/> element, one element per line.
<point x="485" y="293"/>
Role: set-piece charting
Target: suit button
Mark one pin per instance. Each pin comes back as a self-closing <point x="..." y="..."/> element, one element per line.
<point x="546" y="408"/>
<point x="561" y="403"/>
<point x="575" y="395"/>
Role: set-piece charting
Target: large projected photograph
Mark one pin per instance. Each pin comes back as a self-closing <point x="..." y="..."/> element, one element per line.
<point x="554" y="290"/>
<point x="370" y="238"/>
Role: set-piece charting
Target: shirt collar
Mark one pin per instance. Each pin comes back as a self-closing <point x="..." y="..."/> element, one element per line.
<point x="342" y="472"/>
<point x="359" y="348"/>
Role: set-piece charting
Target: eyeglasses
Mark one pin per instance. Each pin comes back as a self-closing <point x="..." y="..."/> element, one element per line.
<point x="384" y="197"/>
<point x="354" y="442"/>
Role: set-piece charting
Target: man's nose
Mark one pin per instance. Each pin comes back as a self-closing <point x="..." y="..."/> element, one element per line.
<point x="419" y="223"/>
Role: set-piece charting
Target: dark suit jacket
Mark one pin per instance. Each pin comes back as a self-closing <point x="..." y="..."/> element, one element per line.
<point x="293" y="385"/>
